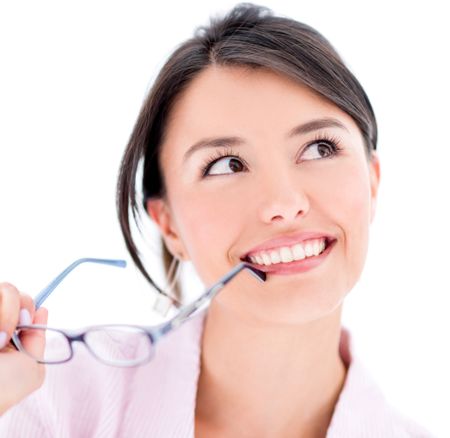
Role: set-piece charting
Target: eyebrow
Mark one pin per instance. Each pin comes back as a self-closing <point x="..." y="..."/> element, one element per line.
<point x="304" y="128"/>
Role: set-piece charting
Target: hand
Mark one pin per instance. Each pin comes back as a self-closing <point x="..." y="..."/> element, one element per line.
<point x="20" y="375"/>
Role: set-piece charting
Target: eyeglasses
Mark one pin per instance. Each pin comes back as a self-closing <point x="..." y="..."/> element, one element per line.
<point x="119" y="345"/>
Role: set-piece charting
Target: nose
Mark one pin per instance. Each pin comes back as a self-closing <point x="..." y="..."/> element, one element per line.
<point x="283" y="199"/>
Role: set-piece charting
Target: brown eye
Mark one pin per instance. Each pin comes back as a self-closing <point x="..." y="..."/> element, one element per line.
<point x="224" y="165"/>
<point x="319" y="149"/>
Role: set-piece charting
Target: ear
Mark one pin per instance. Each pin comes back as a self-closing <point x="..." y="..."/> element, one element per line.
<point x="159" y="211"/>
<point x="374" y="171"/>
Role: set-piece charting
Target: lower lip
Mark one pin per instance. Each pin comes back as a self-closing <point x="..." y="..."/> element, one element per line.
<point x="297" y="266"/>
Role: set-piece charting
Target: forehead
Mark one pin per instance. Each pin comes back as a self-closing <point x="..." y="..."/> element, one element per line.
<point x="246" y="102"/>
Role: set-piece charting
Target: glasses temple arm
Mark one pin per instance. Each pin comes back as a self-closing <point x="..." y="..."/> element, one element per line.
<point x="44" y="293"/>
<point x="204" y="300"/>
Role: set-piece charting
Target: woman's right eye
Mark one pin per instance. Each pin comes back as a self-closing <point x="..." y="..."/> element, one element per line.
<point x="223" y="166"/>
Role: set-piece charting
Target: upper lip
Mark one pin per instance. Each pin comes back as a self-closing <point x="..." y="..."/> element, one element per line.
<point x="287" y="240"/>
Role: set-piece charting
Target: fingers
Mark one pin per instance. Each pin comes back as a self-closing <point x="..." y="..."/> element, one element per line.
<point x="41" y="316"/>
<point x="15" y="308"/>
<point x="9" y="311"/>
<point x="26" y="303"/>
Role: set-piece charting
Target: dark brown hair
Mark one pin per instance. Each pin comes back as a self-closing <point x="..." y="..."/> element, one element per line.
<point x="250" y="36"/>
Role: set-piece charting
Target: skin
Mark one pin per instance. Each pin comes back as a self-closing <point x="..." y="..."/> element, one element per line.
<point x="19" y="374"/>
<point x="270" y="351"/>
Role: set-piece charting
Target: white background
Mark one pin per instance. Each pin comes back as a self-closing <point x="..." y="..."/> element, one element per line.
<point x="73" y="77"/>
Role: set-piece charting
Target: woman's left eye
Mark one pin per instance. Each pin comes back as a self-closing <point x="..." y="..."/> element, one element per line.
<point x="324" y="148"/>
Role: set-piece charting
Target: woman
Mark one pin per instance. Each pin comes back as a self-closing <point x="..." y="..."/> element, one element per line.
<point x="258" y="145"/>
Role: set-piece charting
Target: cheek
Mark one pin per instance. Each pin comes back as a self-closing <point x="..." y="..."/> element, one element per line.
<point x="207" y="223"/>
<point x="349" y="194"/>
<point x="351" y="205"/>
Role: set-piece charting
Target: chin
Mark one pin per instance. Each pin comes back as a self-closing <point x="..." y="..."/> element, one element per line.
<point x="269" y="306"/>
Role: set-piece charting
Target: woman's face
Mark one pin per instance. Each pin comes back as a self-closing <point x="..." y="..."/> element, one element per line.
<point x="274" y="184"/>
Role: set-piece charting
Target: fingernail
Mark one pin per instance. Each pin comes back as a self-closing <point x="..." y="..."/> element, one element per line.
<point x="24" y="317"/>
<point x="2" y="340"/>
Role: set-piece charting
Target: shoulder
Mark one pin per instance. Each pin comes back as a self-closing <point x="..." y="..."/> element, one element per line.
<point x="362" y="409"/>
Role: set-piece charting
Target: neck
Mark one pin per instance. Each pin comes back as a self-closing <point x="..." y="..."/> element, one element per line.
<point x="272" y="380"/>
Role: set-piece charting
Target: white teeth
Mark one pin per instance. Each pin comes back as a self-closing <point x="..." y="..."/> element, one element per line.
<point x="308" y="250"/>
<point x="316" y="247"/>
<point x="288" y="254"/>
<point x="299" y="253"/>
<point x="266" y="259"/>
<point x="275" y="257"/>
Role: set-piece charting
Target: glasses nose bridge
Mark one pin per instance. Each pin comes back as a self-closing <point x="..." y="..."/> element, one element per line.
<point x="78" y="337"/>
<point x="72" y="338"/>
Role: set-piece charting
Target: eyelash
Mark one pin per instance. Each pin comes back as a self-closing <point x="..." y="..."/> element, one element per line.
<point x="332" y="141"/>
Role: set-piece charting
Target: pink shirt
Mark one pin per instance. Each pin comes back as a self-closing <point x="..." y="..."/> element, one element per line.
<point x="84" y="398"/>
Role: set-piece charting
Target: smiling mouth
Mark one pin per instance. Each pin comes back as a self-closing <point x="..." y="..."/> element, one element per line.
<point x="301" y="266"/>
<point x="328" y="242"/>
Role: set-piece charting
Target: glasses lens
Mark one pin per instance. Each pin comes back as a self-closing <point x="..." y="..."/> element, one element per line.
<point x="119" y="345"/>
<point x="57" y="347"/>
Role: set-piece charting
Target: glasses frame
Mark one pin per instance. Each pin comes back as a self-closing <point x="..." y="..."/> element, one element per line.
<point x="154" y="333"/>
